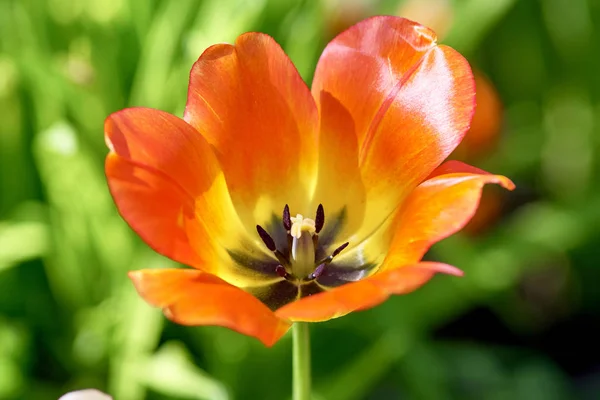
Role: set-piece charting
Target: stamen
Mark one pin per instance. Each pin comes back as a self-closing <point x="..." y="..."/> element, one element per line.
<point x="319" y="218"/>
<point x="317" y="272"/>
<point x="266" y="238"/>
<point x="287" y="222"/>
<point x="339" y="249"/>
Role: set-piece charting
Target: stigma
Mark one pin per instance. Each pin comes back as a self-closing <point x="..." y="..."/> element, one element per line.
<point x="301" y="224"/>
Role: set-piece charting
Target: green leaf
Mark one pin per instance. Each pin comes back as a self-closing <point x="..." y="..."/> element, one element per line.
<point x="171" y="371"/>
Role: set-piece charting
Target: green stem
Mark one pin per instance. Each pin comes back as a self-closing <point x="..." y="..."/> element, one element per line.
<point x="301" y="339"/>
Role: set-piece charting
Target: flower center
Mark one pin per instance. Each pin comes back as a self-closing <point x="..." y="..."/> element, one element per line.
<point x="300" y="264"/>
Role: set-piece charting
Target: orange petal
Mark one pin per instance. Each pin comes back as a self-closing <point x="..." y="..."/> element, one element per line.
<point x="158" y="165"/>
<point x="339" y="185"/>
<point x="152" y="205"/>
<point x="411" y="101"/>
<point x="363" y="294"/>
<point x="191" y="297"/>
<point x="437" y="208"/>
<point x="363" y="64"/>
<point x="166" y="183"/>
<point x="423" y="124"/>
<point x="251" y="104"/>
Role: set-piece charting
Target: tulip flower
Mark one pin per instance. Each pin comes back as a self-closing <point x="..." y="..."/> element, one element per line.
<point x="293" y="204"/>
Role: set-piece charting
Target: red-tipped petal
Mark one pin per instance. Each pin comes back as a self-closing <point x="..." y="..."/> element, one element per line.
<point x="361" y="65"/>
<point x="191" y="297"/>
<point x="363" y="294"/>
<point x="411" y="101"/>
<point x="251" y="104"/>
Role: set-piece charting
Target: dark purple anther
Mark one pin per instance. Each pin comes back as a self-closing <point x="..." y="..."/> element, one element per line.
<point x="266" y="238"/>
<point x="287" y="222"/>
<point x="319" y="219"/>
<point x="317" y="272"/>
<point x="339" y="249"/>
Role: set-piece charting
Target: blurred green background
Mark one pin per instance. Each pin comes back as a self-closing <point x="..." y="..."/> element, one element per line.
<point x="523" y="323"/>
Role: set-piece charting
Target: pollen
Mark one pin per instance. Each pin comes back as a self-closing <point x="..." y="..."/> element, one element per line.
<point x="301" y="224"/>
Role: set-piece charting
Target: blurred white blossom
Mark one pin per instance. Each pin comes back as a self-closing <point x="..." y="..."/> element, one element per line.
<point x="86" y="394"/>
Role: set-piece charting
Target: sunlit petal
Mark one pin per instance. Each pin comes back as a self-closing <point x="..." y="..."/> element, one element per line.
<point x="251" y="104"/>
<point x="191" y="297"/>
<point x="157" y="170"/>
<point x="411" y="101"/>
<point x="154" y="205"/>
<point x="363" y="64"/>
<point x="339" y="187"/>
<point x="168" y="186"/>
<point x="439" y="207"/>
<point x="429" y="213"/>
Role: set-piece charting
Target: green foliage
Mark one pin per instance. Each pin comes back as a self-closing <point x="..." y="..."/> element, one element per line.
<point x="70" y="318"/>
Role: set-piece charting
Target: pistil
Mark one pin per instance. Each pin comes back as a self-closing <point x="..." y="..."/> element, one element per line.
<point x="303" y="248"/>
